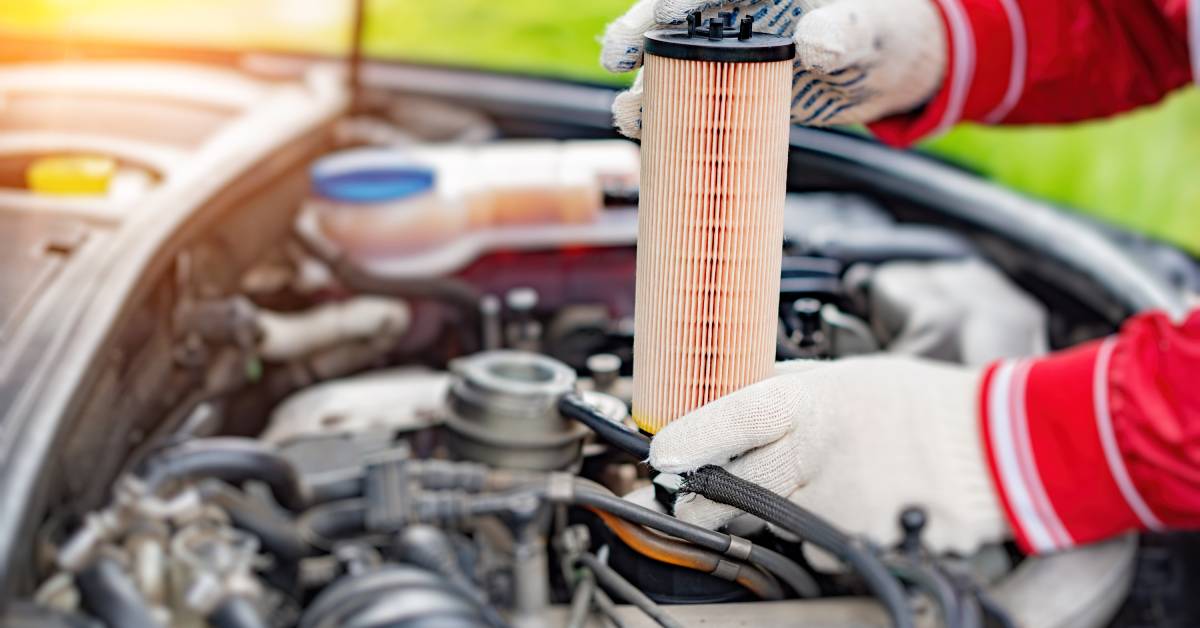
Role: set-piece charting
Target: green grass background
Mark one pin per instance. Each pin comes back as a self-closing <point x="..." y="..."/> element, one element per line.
<point x="1140" y="170"/>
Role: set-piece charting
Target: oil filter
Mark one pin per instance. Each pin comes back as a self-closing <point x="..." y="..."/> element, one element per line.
<point x="710" y="225"/>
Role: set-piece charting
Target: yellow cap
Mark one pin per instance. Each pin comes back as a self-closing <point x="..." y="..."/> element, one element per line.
<point x="71" y="174"/>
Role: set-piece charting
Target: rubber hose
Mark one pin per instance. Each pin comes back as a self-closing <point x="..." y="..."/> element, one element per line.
<point x="617" y="584"/>
<point x="995" y="614"/>
<point x="325" y="524"/>
<point x="723" y="487"/>
<point x="638" y="445"/>
<point x="708" y="539"/>
<point x="572" y="406"/>
<point x="786" y="570"/>
<point x="607" y="607"/>
<point x="109" y="594"/>
<point x="440" y="622"/>
<point x="456" y="292"/>
<point x="581" y="600"/>
<point x="433" y="475"/>
<point x="359" y="279"/>
<point x="231" y="459"/>
<point x="277" y="532"/>
<point x="343" y="486"/>
<point x="680" y="554"/>
<point x="971" y="612"/>
<point x="938" y="587"/>
<point x="785" y="349"/>
<point x="965" y="597"/>
<point x="430" y="548"/>
<point x="393" y="595"/>
<point x="236" y="612"/>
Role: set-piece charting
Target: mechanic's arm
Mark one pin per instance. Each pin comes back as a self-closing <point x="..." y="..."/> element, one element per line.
<point x="914" y="68"/>
<point x="1100" y="439"/>
<point x="1062" y="450"/>
<point x="1049" y="61"/>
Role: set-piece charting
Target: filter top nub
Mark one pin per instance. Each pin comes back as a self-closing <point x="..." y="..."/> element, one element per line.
<point x="719" y="39"/>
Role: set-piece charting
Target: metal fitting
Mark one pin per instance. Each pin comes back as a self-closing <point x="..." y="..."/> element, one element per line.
<point x="503" y="411"/>
<point x="606" y="370"/>
<point x="211" y="564"/>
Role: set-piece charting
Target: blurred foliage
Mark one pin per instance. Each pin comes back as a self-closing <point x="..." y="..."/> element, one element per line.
<point x="558" y="38"/>
<point x="1135" y="170"/>
<point x="309" y="25"/>
<point x="1138" y="170"/>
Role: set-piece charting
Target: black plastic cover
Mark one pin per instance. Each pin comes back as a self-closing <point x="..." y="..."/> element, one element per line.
<point x="719" y="39"/>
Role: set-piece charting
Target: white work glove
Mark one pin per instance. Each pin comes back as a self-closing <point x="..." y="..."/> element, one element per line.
<point x="855" y="441"/>
<point x="856" y="60"/>
<point x="963" y="311"/>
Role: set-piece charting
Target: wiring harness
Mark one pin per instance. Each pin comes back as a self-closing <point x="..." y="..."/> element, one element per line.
<point x="396" y="495"/>
<point x="960" y="603"/>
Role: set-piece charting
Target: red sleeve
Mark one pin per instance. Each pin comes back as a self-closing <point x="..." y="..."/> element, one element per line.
<point x="1048" y="61"/>
<point x="1099" y="440"/>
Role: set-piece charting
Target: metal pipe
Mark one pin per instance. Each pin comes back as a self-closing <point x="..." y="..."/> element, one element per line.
<point x="783" y="568"/>
<point x="609" y="578"/>
<point x="531" y="569"/>
<point x="672" y="552"/>
<point x="581" y="599"/>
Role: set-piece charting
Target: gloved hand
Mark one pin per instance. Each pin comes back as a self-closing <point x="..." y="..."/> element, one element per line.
<point x="963" y="311"/>
<point x="856" y="61"/>
<point x="855" y="441"/>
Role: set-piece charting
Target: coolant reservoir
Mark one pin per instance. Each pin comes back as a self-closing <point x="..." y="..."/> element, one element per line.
<point x="372" y="200"/>
<point x="389" y="201"/>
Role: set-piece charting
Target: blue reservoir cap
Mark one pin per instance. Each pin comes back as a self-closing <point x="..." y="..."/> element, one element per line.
<point x="370" y="175"/>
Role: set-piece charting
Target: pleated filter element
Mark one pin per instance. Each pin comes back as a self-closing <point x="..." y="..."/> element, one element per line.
<point x="710" y="225"/>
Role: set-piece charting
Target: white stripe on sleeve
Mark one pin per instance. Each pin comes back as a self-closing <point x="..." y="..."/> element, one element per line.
<point x="1108" y="440"/>
<point x="1020" y="61"/>
<point x="1004" y="445"/>
<point x="962" y="39"/>
<point x="1028" y="465"/>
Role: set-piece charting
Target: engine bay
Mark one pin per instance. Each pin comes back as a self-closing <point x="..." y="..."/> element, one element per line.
<point x="318" y="413"/>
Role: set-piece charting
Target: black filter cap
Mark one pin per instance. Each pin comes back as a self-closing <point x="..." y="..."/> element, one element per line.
<point x="719" y="39"/>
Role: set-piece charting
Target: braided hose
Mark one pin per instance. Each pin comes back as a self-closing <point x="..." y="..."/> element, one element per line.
<point x="723" y="487"/>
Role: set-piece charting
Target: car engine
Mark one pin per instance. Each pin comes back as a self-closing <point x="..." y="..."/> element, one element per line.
<point x="423" y="420"/>
<point x="415" y="467"/>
